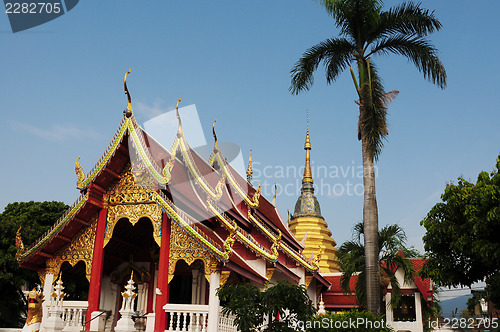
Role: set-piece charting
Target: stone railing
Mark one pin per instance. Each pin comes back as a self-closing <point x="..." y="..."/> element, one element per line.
<point x="73" y="315"/>
<point x="186" y="317"/>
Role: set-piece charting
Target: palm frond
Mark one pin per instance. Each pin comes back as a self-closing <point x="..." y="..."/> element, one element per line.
<point x="372" y="123"/>
<point x="335" y="53"/>
<point x="354" y="18"/>
<point x="406" y="19"/>
<point x="392" y="238"/>
<point x="419" y="51"/>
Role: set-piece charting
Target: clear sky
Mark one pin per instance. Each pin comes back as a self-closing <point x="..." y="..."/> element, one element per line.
<point x="62" y="97"/>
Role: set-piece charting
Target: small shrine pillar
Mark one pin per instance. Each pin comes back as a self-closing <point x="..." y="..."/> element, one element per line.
<point x="54" y="323"/>
<point x="125" y="323"/>
<point x="213" y="301"/>
<point x="97" y="264"/>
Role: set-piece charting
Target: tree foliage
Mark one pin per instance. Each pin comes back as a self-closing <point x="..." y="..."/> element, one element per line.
<point x="461" y="237"/>
<point x="392" y="238"/>
<point x="277" y="304"/>
<point x="34" y="218"/>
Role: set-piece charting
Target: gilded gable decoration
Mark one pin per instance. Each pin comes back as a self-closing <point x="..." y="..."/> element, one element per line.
<point x="80" y="249"/>
<point x="128" y="200"/>
<point x="184" y="247"/>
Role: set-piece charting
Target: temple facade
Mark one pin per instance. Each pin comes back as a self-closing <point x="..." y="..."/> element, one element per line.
<point x="155" y="232"/>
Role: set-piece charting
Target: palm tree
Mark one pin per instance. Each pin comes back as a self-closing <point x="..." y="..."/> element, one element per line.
<point x="366" y="30"/>
<point x="351" y="254"/>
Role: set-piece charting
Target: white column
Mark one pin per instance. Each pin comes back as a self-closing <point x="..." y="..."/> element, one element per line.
<point x="203" y="287"/>
<point x="418" y="312"/>
<point x="388" y="308"/>
<point x="213" y="303"/>
<point x="195" y="287"/>
<point x="47" y="291"/>
<point x="142" y="297"/>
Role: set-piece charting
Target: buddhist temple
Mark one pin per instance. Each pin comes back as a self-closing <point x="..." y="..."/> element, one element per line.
<point x="156" y="231"/>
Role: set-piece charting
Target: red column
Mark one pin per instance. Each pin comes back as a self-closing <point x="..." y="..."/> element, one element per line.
<point x="162" y="284"/>
<point x="97" y="263"/>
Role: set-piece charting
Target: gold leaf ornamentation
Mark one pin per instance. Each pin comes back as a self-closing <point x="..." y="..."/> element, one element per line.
<point x="81" y="248"/>
<point x="128" y="200"/>
<point x="183" y="247"/>
<point x="308" y="281"/>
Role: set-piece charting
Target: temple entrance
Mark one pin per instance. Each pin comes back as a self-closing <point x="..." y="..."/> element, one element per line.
<point x="131" y="249"/>
<point x="76" y="285"/>
<point x="188" y="286"/>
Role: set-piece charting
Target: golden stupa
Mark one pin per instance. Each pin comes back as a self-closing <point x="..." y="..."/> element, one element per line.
<point x="308" y="223"/>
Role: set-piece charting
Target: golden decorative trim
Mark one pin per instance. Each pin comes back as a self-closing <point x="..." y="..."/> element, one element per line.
<point x="270" y="272"/>
<point x="224" y="277"/>
<point x="126" y="191"/>
<point x="128" y="200"/>
<point x="133" y="213"/>
<point x="81" y="248"/>
<point x="41" y="276"/>
<point x="183" y="247"/>
<point x="308" y="281"/>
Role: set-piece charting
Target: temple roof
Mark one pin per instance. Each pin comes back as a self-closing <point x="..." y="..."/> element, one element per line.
<point x="208" y="199"/>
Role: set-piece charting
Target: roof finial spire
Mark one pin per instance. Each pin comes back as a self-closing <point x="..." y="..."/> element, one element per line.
<point x="307" y="147"/>
<point x="128" y="111"/>
<point x="178" y="116"/>
<point x="249" y="170"/>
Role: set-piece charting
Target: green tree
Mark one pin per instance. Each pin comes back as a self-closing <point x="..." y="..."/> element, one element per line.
<point x="252" y="307"/>
<point x="34" y="218"/>
<point x="367" y="30"/>
<point x="461" y="238"/>
<point x="392" y="238"/>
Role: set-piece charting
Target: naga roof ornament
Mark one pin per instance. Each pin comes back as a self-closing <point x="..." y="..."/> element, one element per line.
<point x="128" y="112"/>
<point x="19" y="243"/>
<point x="179" y="131"/>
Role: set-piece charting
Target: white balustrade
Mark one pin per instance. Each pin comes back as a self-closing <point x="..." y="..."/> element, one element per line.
<point x="73" y="314"/>
<point x="186" y="317"/>
<point x="226" y="324"/>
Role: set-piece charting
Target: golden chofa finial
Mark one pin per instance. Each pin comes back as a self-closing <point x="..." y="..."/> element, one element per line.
<point x="216" y="144"/>
<point x="275" y="193"/>
<point x="307" y="147"/>
<point x="128" y="111"/>
<point x="249" y="169"/>
<point x="179" y="131"/>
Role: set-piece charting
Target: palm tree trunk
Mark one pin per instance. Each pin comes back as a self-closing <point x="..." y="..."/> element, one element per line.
<point x="370" y="223"/>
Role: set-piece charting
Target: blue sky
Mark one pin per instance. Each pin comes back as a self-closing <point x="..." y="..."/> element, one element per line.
<point x="62" y="97"/>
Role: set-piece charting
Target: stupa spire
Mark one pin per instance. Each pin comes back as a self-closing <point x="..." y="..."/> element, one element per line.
<point x="307" y="147"/>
